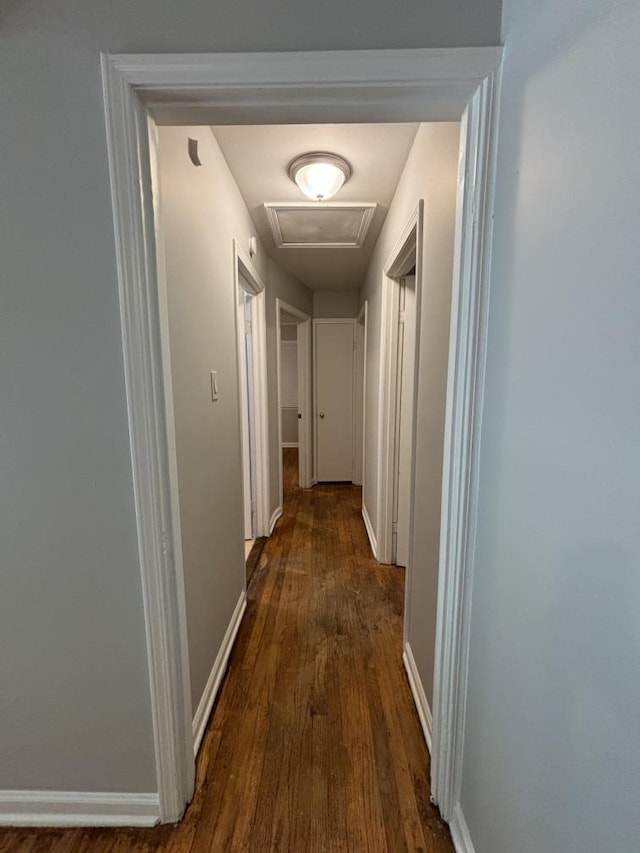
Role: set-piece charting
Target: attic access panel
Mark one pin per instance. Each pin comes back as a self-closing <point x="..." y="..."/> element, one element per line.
<point x="318" y="225"/>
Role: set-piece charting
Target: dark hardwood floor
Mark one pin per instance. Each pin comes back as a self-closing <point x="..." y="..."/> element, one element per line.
<point x="289" y="470"/>
<point x="314" y="744"/>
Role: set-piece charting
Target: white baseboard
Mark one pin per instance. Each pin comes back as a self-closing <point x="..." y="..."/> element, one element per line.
<point x="459" y="829"/>
<point x="422" y="706"/>
<point x="77" y="808"/>
<point x="289" y="444"/>
<point x="460" y="832"/>
<point x="203" y="711"/>
<point x="274" y="518"/>
<point x="372" y="539"/>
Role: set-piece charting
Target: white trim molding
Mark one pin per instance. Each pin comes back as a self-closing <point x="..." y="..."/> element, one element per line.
<point x="78" y="808"/>
<point x="460" y="834"/>
<point x="419" y="696"/>
<point x="295" y="88"/>
<point x="370" y="533"/>
<point x="162" y="585"/>
<point x="277" y="513"/>
<point x="203" y="711"/>
<point x="360" y="442"/>
<point x="418" y="84"/>
<point x="463" y="417"/>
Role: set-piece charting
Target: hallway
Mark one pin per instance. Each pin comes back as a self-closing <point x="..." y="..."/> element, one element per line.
<point x="314" y="744"/>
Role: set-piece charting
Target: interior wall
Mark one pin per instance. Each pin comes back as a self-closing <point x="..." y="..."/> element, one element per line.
<point x="70" y="567"/>
<point x="431" y="174"/>
<point x="552" y="753"/>
<point x="288" y="332"/>
<point x="439" y="146"/>
<point x="289" y="426"/>
<point x="202" y="213"/>
<point x="328" y="304"/>
<point x="282" y="285"/>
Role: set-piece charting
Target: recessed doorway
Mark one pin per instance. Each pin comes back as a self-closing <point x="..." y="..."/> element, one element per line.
<point x="361" y="86"/>
<point x="295" y="431"/>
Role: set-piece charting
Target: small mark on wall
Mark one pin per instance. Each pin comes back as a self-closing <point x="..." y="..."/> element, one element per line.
<point x="193" y="152"/>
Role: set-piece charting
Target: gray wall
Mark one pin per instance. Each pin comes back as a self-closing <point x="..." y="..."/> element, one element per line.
<point x="430" y="173"/>
<point x="202" y="213"/>
<point x="289" y="426"/>
<point x="335" y="303"/>
<point x="552" y="752"/>
<point x="438" y="147"/>
<point x="288" y="332"/>
<point x="74" y="656"/>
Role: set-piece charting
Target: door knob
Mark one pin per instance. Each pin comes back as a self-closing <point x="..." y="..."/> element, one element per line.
<point x="321" y="414"/>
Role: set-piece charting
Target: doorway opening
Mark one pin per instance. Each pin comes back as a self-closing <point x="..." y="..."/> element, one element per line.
<point x="252" y="377"/>
<point x="399" y="345"/>
<point x="294" y="389"/>
<point x="365" y="86"/>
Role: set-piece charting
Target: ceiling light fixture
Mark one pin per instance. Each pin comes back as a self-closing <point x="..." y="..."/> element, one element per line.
<point x="319" y="175"/>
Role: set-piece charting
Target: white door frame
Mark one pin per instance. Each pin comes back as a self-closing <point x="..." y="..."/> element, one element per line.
<point x="406" y="251"/>
<point x="443" y="84"/>
<point x="247" y="417"/>
<point x="361" y="320"/>
<point x="243" y="268"/>
<point x="318" y="322"/>
<point x="304" y="395"/>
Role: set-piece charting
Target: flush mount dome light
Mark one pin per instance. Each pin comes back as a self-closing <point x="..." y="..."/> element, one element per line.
<point x="319" y="175"/>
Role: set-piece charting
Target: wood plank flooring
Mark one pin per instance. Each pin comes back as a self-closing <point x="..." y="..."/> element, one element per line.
<point x="314" y="745"/>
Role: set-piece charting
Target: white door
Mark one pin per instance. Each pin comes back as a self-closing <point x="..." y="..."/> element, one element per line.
<point x="334" y="344"/>
<point x="406" y="403"/>
<point x="305" y="406"/>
